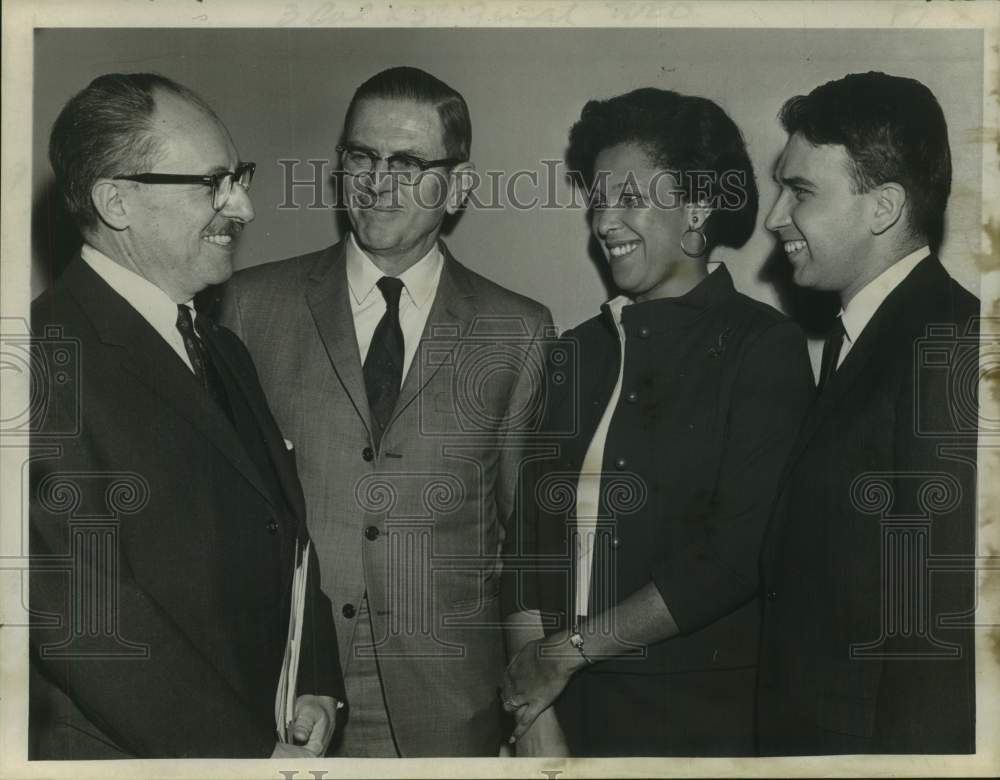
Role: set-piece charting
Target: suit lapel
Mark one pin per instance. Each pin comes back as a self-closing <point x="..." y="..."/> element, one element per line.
<point x="447" y="322"/>
<point x="876" y="344"/>
<point x="141" y="352"/>
<point x="851" y="371"/>
<point x="328" y="297"/>
<point x="878" y="339"/>
<point x="264" y="422"/>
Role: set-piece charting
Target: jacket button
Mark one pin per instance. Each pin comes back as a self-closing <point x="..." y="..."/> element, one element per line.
<point x="632" y="396"/>
<point x="620" y="464"/>
<point x="772" y="595"/>
<point x="644" y="332"/>
<point x="616" y="543"/>
<point x="371" y="533"/>
<point x="368" y="453"/>
<point x="348" y="611"/>
<point x="272" y="527"/>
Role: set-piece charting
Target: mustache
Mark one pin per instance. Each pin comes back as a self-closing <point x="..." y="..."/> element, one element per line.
<point x="230" y="228"/>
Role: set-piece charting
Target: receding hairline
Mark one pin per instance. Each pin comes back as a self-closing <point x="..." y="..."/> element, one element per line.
<point x="411" y="101"/>
<point x="350" y="119"/>
<point x="189" y="101"/>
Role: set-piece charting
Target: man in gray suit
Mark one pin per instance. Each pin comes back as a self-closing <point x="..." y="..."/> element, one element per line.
<point x="407" y="381"/>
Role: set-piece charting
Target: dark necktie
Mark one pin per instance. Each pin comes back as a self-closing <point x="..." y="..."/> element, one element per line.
<point x="384" y="362"/>
<point x="201" y="361"/>
<point x="831" y="353"/>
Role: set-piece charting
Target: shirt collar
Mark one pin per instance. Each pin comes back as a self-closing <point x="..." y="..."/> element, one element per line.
<point x="615" y="305"/>
<point x="150" y="301"/>
<point x="862" y="307"/>
<point x="716" y="285"/>
<point x="662" y="314"/>
<point x="419" y="280"/>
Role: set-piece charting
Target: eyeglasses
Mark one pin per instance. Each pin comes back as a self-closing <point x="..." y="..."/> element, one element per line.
<point x="221" y="183"/>
<point x="358" y="161"/>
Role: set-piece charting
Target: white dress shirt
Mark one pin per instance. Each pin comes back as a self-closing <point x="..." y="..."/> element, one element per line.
<point x="420" y="283"/>
<point x="588" y="486"/>
<point x="862" y="307"/>
<point x="150" y="301"/>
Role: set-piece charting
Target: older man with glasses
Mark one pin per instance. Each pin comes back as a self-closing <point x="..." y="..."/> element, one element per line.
<point x="408" y="380"/>
<point x="173" y="583"/>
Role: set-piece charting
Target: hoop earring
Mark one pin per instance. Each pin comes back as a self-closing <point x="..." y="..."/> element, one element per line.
<point x="702" y="243"/>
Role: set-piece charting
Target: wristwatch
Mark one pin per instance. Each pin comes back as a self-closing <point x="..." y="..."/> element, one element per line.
<point x="576" y="639"/>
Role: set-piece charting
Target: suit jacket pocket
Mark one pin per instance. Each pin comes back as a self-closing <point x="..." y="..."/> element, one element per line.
<point x="478" y="611"/>
<point x="475" y="603"/>
<point x="471" y="412"/>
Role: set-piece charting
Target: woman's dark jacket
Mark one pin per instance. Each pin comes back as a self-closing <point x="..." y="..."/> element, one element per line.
<point x="714" y="388"/>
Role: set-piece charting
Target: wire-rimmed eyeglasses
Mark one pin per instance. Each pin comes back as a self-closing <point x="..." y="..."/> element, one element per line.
<point x="221" y="182"/>
<point x="359" y="161"/>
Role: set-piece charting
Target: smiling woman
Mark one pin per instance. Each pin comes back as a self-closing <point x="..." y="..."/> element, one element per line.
<point x="689" y="394"/>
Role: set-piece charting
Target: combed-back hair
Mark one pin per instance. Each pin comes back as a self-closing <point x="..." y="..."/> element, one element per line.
<point x="893" y="130"/>
<point x="405" y="83"/>
<point x="106" y="130"/>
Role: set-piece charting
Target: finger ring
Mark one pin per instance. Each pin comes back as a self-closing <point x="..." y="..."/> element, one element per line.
<point x="509" y="703"/>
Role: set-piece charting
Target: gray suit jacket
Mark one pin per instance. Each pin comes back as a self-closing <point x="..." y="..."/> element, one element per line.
<point x="421" y="525"/>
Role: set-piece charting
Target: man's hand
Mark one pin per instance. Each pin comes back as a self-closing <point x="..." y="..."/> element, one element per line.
<point x="545" y="738"/>
<point x="314" y="722"/>
<point x="536" y="676"/>
<point x="284" y="750"/>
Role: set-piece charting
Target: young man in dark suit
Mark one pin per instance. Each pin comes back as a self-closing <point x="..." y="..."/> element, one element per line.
<point x="166" y="517"/>
<point x="867" y="642"/>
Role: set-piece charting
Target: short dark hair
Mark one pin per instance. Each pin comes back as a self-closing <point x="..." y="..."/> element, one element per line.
<point x="893" y="130"/>
<point x="105" y="130"/>
<point x="684" y="134"/>
<point x="404" y="83"/>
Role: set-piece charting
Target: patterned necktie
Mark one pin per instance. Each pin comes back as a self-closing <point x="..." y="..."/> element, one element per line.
<point x="201" y="361"/>
<point x="831" y="353"/>
<point x="384" y="362"/>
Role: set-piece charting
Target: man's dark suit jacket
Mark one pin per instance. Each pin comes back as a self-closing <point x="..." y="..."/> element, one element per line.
<point x="162" y="538"/>
<point x="857" y="655"/>
<point x="715" y="386"/>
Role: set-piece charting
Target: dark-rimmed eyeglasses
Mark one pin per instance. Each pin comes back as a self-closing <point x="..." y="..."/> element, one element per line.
<point x="359" y="161"/>
<point x="221" y="182"/>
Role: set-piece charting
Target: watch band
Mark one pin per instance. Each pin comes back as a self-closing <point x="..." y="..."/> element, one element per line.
<point x="576" y="639"/>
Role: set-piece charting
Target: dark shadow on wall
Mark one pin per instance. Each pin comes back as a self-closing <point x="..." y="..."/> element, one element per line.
<point x="594" y="250"/>
<point x="813" y="310"/>
<point x="54" y="236"/>
<point x="601" y="264"/>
